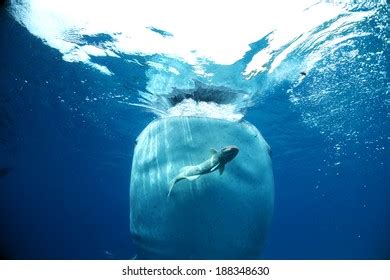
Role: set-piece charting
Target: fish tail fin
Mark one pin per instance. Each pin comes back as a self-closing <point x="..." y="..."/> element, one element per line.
<point x="171" y="185"/>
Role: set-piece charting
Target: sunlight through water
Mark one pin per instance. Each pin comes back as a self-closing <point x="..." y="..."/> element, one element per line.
<point x="220" y="61"/>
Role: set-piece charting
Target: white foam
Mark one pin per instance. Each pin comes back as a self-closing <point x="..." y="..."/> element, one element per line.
<point x="201" y="29"/>
<point x="189" y="107"/>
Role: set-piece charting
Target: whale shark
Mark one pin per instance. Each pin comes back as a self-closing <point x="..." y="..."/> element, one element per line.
<point x="234" y="208"/>
<point x="218" y="161"/>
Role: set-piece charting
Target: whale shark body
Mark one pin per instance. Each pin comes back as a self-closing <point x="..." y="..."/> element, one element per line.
<point x="218" y="161"/>
<point x="215" y="217"/>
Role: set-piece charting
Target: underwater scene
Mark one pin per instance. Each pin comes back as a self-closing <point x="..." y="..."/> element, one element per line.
<point x="194" y="129"/>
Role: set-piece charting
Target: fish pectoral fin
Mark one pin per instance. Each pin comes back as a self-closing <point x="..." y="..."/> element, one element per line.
<point x="192" y="178"/>
<point x="215" y="167"/>
<point x="221" y="169"/>
<point x="213" y="151"/>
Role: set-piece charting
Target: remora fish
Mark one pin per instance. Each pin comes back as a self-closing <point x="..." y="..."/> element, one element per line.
<point x="217" y="161"/>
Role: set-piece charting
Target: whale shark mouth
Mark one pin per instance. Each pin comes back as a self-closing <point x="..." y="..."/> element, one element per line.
<point x="211" y="101"/>
<point x="205" y="93"/>
<point x="201" y="100"/>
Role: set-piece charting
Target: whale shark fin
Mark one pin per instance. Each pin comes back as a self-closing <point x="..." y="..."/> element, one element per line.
<point x="221" y="168"/>
<point x="215" y="167"/>
<point x="192" y="178"/>
<point x="213" y="151"/>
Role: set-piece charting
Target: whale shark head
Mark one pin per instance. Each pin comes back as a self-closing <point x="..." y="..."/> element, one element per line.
<point x="228" y="153"/>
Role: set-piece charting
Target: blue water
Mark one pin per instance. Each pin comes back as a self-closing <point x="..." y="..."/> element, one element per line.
<point x="67" y="138"/>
